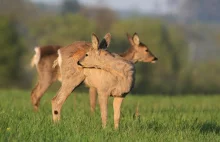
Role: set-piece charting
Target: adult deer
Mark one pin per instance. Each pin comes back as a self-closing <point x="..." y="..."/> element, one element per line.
<point x="138" y="52"/>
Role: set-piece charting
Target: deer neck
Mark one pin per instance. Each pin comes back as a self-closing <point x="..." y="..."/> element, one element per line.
<point x="129" y="55"/>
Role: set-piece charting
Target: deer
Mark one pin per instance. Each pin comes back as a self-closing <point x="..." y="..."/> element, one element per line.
<point x="138" y="52"/>
<point x="111" y="75"/>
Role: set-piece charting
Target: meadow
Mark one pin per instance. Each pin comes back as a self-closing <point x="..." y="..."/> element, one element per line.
<point x="162" y="118"/>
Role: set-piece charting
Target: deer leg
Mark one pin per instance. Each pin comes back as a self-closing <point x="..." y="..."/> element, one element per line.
<point x="117" y="110"/>
<point x="103" y="102"/>
<point x="59" y="99"/>
<point x="92" y="95"/>
<point x="38" y="92"/>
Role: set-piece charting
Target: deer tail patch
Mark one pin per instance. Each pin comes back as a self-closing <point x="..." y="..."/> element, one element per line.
<point x="36" y="58"/>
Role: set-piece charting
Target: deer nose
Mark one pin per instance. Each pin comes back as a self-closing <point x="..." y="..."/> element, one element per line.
<point x="78" y="63"/>
<point x="155" y="59"/>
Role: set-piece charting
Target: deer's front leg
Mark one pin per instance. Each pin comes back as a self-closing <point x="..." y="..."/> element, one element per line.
<point x="92" y="95"/>
<point x="103" y="102"/>
<point x="117" y="110"/>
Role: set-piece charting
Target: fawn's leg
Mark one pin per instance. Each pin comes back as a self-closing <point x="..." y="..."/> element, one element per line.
<point x="38" y="92"/>
<point x="92" y="95"/>
<point x="59" y="99"/>
<point x="46" y="76"/>
<point x="68" y="85"/>
<point x="117" y="110"/>
<point x="103" y="102"/>
<point x="71" y="76"/>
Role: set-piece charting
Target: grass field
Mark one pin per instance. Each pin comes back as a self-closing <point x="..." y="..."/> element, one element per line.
<point x="163" y="118"/>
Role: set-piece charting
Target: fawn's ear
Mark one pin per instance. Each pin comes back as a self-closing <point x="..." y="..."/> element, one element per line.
<point x="104" y="44"/>
<point x="95" y="42"/>
<point x="130" y="39"/>
<point x="135" y="39"/>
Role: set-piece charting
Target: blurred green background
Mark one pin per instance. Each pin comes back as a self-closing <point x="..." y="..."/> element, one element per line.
<point x="183" y="34"/>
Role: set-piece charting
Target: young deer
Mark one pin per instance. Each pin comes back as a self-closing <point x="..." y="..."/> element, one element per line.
<point x="71" y="73"/>
<point x="138" y="52"/>
<point x="114" y="77"/>
<point x="43" y="60"/>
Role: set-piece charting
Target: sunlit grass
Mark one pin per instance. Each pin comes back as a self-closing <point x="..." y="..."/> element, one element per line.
<point x="162" y="118"/>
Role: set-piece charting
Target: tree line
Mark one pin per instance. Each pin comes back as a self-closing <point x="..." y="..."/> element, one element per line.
<point x="173" y="74"/>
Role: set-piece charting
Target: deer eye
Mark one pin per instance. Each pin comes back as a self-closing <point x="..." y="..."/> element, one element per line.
<point x="146" y="50"/>
<point x="86" y="54"/>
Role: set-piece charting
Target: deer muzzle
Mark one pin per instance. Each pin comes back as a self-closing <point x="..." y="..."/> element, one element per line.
<point x="154" y="60"/>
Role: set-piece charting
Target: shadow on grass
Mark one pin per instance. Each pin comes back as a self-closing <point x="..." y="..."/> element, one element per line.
<point x="209" y="127"/>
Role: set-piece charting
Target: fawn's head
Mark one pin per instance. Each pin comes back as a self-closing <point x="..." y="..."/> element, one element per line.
<point x="141" y="52"/>
<point x="97" y="55"/>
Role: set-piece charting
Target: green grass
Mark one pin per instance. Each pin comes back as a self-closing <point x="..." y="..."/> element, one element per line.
<point x="163" y="118"/>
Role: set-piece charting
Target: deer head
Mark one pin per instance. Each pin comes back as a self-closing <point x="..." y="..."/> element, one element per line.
<point x="141" y="51"/>
<point x="97" y="55"/>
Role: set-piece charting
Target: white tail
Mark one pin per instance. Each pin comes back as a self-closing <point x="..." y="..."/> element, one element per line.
<point x="36" y="58"/>
<point x="59" y="59"/>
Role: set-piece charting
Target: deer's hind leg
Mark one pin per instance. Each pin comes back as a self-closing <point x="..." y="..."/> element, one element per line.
<point x="46" y="78"/>
<point x="59" y="99"/>
<point x="39" y="91"/>
<point x="68" y="85"/>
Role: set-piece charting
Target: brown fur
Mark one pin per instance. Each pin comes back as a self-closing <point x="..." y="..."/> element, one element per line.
<point x="46" y="74"/>
<point x="49" y="50"/>
<point x="136" y="53"/>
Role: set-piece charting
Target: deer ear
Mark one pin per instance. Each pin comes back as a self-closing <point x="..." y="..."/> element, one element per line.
<point x="95" y="41"/>
<point x="135" y="39"/>
<point x="104" y="44"/>
<point x="130" y="39"/>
